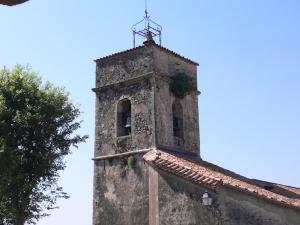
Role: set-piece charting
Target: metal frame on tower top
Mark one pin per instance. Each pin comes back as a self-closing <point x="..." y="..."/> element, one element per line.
<point x="150" y="27"/>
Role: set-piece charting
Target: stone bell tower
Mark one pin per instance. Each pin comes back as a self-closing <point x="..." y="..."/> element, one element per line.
<point x="135" y="112"/>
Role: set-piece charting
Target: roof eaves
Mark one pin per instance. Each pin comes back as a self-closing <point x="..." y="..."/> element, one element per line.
<point x="119" y="53"/>
<point x="142" y="46"/>
<point x="201" y="173"/>
<point x="176" y="54"/>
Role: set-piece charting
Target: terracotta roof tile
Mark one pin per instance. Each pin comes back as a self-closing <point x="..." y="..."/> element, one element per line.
<point x="175" y="166"/>
<point x="204" y="173"/>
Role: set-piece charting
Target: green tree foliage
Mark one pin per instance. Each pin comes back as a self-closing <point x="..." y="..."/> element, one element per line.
<point x="181" y="85"/>
<point x="37" y="123"/>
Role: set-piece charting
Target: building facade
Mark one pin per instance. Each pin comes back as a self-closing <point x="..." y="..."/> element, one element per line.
<point x="148" y="169"/>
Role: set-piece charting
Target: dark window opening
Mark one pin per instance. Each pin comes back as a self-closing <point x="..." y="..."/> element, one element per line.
<point x="124" y="118"/>
<point x="177" y="127"/>
<point x="177" y="119"/>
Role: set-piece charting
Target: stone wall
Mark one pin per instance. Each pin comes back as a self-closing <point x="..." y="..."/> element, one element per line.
<point x="140" y="95"/>
<point x="124" y="67"/>
<point x="121" y="192"/>
<point x="142" y="195"/>
<point x="167" y="65"/>
<point x="164" y="120"/>
<point x="142" y="76"/>
<point x="180" y="204"/>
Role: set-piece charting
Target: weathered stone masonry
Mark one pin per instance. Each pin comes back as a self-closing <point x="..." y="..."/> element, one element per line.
<point x="236" y="199"/>
<point x="152" y="177"/>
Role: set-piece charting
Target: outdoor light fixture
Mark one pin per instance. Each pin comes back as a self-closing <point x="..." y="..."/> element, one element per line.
<point x="206" y="199"/>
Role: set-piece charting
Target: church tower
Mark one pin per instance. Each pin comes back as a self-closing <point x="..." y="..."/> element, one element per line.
<point x="147" y="166"/>
<point x="146" y="98"/>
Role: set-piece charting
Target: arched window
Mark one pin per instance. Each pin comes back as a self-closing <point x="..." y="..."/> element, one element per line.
<point x="177" y="119"/>
<point x="124" y="118"/>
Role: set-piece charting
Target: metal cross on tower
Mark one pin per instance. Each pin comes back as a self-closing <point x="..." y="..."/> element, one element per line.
<point x="150" y="30"/>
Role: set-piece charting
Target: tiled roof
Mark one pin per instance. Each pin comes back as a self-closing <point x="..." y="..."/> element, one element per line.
<point x="204" y="173"/>
<point x="144" y="46"/>
<point x="281" y="189"/>
<point x="288" y="188"/>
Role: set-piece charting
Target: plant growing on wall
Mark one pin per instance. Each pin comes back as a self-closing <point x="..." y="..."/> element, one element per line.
<point x="181" y="85"/>
<point x="126" y="163"/>
<point x="131" y="161"/>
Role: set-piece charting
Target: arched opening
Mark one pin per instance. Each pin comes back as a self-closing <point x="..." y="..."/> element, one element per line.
<point x="177" y="119"/>
<point x="124" y="118"/>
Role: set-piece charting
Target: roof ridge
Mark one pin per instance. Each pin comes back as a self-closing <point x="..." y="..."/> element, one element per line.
<point x="289" y="186"/>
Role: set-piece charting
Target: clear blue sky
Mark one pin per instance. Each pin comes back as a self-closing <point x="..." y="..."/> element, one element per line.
<point x="249" y="76"/>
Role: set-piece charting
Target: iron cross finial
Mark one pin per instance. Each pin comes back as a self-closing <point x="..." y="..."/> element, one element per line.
<point x="150" y="30"/>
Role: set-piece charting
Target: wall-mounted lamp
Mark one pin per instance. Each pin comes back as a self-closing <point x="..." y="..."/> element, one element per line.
<point x="206" y="199"/>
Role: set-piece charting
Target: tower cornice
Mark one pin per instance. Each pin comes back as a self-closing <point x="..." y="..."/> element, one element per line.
<point x="148" y="45"/>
